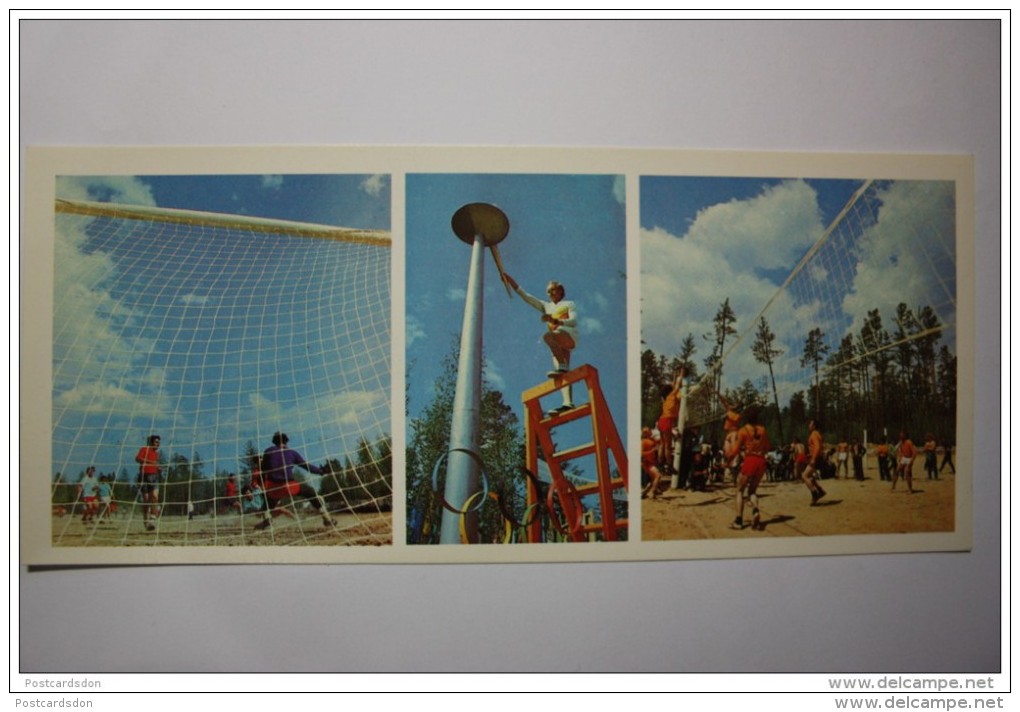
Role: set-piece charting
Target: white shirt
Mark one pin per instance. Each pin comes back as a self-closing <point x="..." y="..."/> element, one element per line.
<point x="564" y="311"/>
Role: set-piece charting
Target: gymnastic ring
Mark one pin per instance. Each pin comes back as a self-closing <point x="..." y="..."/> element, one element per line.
<point x="481" y="473"/>
<point x="508" y="530"/>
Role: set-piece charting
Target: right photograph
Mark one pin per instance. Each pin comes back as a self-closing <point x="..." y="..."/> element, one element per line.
<point x="798" y="357"/>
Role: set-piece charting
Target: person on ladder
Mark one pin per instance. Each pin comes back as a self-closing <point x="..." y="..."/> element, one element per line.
<point x="560" y="317"/>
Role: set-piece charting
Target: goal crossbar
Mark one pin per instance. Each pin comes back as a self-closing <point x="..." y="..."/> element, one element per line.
<point x="379" y="238"/>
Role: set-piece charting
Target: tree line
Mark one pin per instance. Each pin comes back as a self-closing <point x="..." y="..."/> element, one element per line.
<point x="362" y="481"/>
<point x="882" y="378"/>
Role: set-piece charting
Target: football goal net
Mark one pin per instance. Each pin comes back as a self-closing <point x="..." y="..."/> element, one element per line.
<point x="214" y="333"/>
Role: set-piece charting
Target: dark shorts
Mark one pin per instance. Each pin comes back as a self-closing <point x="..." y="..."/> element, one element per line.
<point x="149" y="484"/>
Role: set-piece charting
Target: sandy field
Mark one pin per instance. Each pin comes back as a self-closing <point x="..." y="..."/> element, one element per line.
<point x="850" y="507"/>
<point x="225" y="530"/>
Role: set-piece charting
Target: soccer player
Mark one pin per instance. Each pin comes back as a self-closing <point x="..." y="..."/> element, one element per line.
<point x="816" y="461"/>
<point x="88" y="491"/>
<point x="560" y="317"/>
<point x="277" y="468"/>
<point x="905" y="454"/>
<point x="230" y="498"/>
<point x="104" y="494"/>
<point x="148" y="480"/>
<point x="755" y="444"/>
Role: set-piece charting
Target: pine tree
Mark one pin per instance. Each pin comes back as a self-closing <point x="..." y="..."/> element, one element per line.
<point x="502" y="454"/>
<point x="815" y="350"/>
<point x="765" y="352"/>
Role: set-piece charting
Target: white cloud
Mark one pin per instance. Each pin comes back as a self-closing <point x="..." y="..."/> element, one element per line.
<point x="769" y="231"/>
<point x="591" y="325"/>
<point x="909" y="254"/>
<point x="862" y="266"/>
<point x="272" y="182"/>
<point x="375" y="184"/>
<point x="265" y="410"/>
<point x="456" y="294"/>
<point x="115" y="189"/>
<point x="414" y="329"/>
<point x="194" y="299"/>
<point x="492" y="375"/>
<point x="620" y="189"/>
<point x="349" y="409"/>
<point x="685" y="279"/>
<point x="110" y="399"/>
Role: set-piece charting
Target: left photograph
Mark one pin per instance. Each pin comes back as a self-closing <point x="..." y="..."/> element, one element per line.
<point x="221" y="361"/>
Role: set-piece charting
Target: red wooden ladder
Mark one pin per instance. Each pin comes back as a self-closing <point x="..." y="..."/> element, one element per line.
<point x="605" y="442"/>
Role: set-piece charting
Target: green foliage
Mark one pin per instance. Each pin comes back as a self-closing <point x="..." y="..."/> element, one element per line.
<point x="766" y="352"/>
<point x="875" y="379"/>
<point x="365" y="483"/>
<point x="502" y="454"/>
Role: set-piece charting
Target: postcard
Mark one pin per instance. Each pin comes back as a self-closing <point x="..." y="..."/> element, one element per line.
<point x="481" y="354"/>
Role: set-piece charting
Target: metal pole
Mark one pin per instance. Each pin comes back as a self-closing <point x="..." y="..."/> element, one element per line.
<point x="462" y="465"/>
<point x="480" y="225"/>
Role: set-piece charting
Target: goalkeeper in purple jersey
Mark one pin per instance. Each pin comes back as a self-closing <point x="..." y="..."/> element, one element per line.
<point x="278" y="463"/>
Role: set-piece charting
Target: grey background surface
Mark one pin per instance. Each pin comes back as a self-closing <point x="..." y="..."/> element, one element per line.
<point x="857" y="86"/>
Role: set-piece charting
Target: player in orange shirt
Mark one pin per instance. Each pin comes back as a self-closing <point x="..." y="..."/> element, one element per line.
<point x="649" y="449"/>
<point x="148" y="480"/>
<point x="668" y="417"/>
<point x="754" y="442"/>
<point x="905" y="454"/>
<point x="731" y="443"/>
<point x="816" y="457"/>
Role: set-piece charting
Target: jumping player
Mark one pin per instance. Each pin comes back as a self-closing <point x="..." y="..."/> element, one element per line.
<point x="560" y="317"/>
<point x="148" y="480"/>
<point x="755" y="444"/>
<point x="668" y="417"/>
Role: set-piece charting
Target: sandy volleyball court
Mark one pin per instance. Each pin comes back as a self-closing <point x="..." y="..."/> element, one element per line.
<point x="850" y="507"/>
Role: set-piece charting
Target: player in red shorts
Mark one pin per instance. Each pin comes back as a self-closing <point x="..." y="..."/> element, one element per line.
<point x="668" y="417"/>
<point x="649" y="449"/>
<point x="88" y="493"/>
<point x="754" y="442"/>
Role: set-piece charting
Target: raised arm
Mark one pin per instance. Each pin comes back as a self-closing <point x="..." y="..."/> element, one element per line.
<point x="532" y="301"/>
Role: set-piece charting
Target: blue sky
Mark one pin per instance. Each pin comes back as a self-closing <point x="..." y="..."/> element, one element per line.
<point x="569" y="228"/>
<point x="215" y="340"/>
<point x="706" y="239"/>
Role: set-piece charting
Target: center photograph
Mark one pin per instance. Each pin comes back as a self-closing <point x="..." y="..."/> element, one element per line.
<point x="516" y="324"/>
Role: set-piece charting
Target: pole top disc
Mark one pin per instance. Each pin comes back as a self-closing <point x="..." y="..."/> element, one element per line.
<point x="482" y="219"/>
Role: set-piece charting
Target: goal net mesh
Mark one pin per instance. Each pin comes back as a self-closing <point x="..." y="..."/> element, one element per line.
<point x="214" y="332"/>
